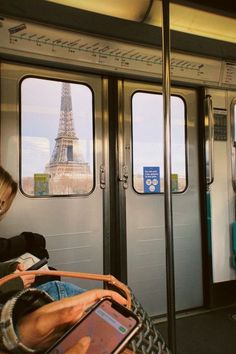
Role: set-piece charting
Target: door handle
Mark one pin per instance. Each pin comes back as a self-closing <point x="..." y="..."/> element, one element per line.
<point x="102" y="177"/>
<point x="124" y="176"/>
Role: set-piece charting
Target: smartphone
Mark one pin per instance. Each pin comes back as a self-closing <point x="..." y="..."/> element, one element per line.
<point x="109" y="325"/>
<point x="38" y="264"/>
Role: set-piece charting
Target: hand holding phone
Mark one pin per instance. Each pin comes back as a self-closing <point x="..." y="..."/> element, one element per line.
<point x="109" y="325"/>
<point x="38" y="264"/>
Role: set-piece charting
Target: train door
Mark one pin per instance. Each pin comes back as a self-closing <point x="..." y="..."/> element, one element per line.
<point x="51" y="125"/>
<point x="221" y="183"/>
<point x="141" y="179"/>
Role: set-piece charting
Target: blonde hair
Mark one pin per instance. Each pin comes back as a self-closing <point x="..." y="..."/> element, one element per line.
<point x="6" y="181"/>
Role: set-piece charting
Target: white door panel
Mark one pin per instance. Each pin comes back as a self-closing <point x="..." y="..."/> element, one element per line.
<point x="73" y="226"/>
<point x="146" y="226"/>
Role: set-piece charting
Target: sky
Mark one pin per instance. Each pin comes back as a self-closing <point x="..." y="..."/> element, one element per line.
<point x="148" y="132"/>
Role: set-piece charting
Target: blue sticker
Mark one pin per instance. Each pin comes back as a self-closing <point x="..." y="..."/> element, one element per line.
<point x="151" y="179"/>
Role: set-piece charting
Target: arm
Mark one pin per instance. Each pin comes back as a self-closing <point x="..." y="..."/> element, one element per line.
<point x="15" y="285"/>
<point x="9" y="288"/>
<point x="38" y="329"/>
<point x="27" y="280"/>
<point x="26" y="301"/>
<point x="7" y="268"/>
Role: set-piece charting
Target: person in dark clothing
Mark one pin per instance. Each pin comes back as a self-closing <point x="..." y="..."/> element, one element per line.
<point x="15" y="246"/>
<point x="25" y="242"/>
<point x="16" y="284"/>
<point x="34" y="243"/>
<point x="30" y="320"/>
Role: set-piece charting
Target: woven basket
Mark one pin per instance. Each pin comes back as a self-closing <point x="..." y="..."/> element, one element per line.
<point x="149" y="340"/>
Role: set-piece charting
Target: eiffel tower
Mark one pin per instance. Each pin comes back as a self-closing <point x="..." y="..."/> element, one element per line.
<point x="66" y="159"/>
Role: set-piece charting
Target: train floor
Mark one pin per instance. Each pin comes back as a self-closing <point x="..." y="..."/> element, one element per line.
<point x="205" y="332"/>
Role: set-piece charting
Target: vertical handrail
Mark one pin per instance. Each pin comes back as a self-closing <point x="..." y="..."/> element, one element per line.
<point x="209" y="123"/>
<point x="170" y="276"/>
<point x="233" y="145"/>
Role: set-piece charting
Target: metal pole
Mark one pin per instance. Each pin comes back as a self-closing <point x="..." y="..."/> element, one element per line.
<point x="170" y="277"/>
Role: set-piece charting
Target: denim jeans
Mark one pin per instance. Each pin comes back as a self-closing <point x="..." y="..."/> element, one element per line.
<point x="59" y="289"/>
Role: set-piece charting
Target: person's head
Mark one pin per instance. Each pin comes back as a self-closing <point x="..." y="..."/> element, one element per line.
<point x="8" y="189"/>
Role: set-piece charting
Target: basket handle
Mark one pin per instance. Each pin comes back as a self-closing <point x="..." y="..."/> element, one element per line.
<point x="110" y="279"/>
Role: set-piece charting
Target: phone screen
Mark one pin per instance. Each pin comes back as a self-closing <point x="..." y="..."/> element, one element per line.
<point x="108" y="325"/>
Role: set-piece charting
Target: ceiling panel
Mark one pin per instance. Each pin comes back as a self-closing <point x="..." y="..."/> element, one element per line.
<point x="133" y="10"/>
<point x="192" y="19"/>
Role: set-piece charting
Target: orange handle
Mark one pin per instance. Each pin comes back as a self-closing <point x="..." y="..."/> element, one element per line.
<point x="110" y="279"/>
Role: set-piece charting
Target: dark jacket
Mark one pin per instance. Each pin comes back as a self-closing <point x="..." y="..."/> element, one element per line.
<point x="25" y="242"/>
<point x="14" y="247"/>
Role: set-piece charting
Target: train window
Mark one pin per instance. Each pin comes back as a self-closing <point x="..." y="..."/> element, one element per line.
<point x="56" y="138"/>
<point x="147" y="130"/>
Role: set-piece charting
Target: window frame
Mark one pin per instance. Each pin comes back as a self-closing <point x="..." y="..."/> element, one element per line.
<point x="59" y="80"/>
<point x="185" y="142"/>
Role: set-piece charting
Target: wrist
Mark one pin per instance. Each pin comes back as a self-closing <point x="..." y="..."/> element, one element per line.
<point x="25" y="302"/>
